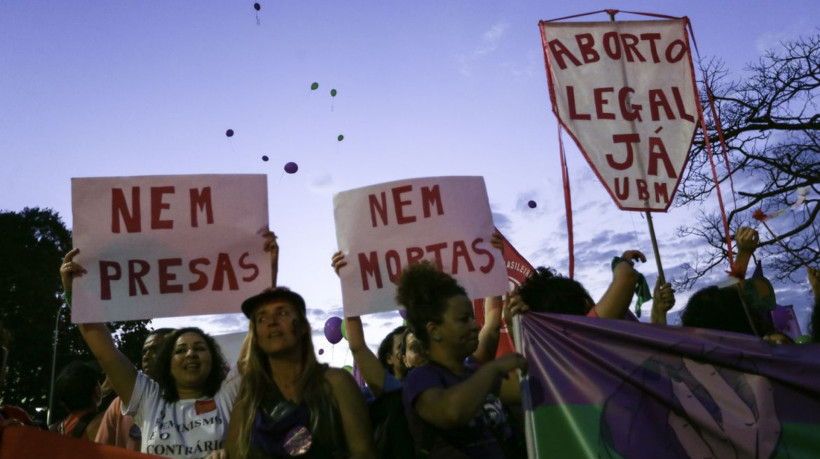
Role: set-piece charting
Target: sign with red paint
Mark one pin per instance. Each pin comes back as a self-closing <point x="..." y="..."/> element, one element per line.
<point x="518" y="269"/>
<point x="625" y="91"/>
<point x="167" y="246"/>
<point x="383" y="228"/>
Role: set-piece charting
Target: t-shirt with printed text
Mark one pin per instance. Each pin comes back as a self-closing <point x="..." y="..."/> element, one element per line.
<point x="190" y="428"/>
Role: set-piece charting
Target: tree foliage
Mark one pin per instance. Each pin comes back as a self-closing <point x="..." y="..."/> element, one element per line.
<point x="32" y="244"/>
<point x="771" y="128"/>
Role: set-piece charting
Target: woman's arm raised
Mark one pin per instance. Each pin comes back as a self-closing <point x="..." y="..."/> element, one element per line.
<point x="452" y="407"/>
<point x="120" y="371"/>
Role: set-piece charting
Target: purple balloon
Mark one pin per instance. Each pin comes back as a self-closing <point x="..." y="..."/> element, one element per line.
<point x="229" y="133"/>
<point x="321" y="351"/>
<point x="264" y="157"/>
<point x="333" y="330"/>
<point x="532" y="204"/>
<point x="403" y="313"/>
<point x="291" y="168"/>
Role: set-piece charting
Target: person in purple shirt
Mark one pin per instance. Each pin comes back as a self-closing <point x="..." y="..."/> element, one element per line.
<point x="454" y="409"/>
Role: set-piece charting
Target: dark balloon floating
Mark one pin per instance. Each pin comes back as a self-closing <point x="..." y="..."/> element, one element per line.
<point x="291" y="168"/>
<point x="321" y="351"/>
<point x="257" y="6"/>
<point x="264" y="158"/>
<point x="314" y="86"/>
<point x="532" y="204"/>
<point x="332" y="93"/>
<point x="229" y="133"/>
<point x="340" y="138"/>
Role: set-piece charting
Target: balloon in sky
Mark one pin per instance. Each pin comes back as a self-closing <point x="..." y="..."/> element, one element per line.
<point x="403" y="313"/>
<point x="340" y="138"/>
<point x="344" y="330"/>
<point x="264" y="157"/>
<point x="229" y="133"/>
<point x="314" y="86"/>
<point x="291" y="167"/>
<point x="348" y="368"/>
<point x="321" y="351"/>
<point x="257" y="6"/>
<point x="333" y="330"/>
<point x="332" y="93"/>
<point x="532" y="204"/>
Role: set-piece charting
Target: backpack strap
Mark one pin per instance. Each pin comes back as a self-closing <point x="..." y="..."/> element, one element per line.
<point x="79" y="429"/>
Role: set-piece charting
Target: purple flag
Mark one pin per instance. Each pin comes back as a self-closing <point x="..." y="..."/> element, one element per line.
<point x="612" y="388"/>
<point x="785" y="321"/>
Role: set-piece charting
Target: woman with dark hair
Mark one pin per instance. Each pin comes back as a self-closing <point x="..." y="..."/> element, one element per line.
<point x="77" y="389"/>
<point x="289" y="403"/>
<point x="185" y="412"/>
<point x="411" y="350"/>
<point x="453" y="408"/>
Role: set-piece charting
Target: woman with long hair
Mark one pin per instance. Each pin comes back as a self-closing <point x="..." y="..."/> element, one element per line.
<point x="290" y="404"/>
<point x="454" y="408"/>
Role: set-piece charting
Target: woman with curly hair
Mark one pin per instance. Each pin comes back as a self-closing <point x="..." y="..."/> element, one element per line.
<point x="289" y="404"/>
<point x="453" y="407"/>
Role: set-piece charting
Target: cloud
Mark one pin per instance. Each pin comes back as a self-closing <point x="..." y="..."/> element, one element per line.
<point x="490" y="41"/>
<point x="772" y="40"/>
<point x="491" y="38"/>
<point x="321" y="184"/>
<point x="502" y="222"/>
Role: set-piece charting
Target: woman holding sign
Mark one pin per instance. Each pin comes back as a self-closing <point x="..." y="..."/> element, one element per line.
<point x="185" y="412"/>
<point x="454" y="409"/>
<point x="289" y="404"/>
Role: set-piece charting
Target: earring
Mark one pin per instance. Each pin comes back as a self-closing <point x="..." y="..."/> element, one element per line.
<point x="436" y="337"/>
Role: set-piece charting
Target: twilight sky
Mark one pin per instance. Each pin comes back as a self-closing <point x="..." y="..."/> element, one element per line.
<point x="425" y="88"/>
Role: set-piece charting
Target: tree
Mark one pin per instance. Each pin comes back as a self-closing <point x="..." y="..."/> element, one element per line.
<point x="771" y="128"/>
<point x="32" y="244"/>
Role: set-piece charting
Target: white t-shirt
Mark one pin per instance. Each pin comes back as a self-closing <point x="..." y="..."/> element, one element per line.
<point x="191" y="428"/>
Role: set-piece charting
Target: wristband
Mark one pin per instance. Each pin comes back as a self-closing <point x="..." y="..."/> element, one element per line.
<point x="618" y="260"/>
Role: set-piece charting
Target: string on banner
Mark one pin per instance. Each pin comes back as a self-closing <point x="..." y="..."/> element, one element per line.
<point x="567" y="202"/>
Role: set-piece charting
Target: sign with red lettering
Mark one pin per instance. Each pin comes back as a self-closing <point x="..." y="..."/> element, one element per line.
<point x="383" y="228"/>
<point x="167" y="246"/>
<point x="625" y="91"/>
<point x="518" y="269"/>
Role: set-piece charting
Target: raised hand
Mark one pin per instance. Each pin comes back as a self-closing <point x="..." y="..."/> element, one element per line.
<point x="70" y="269"/>
<point x="338" y="261"/>
<point x="663" y="298"/>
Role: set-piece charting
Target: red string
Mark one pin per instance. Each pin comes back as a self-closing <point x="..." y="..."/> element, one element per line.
<point x="567" y="203"/>
<point x="612" y="13"/>
<point x="717" y="185"/>
<point x="719" y="129"/>
<point x="562" y="154"/>
<point x="723" y="148"/>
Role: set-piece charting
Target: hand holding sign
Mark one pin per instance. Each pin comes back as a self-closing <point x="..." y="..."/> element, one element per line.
<point x="70" y="269"/>
<point x="165" y="246"/>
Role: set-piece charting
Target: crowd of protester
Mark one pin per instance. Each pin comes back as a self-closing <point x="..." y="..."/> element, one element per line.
<point x="445" y="392"/>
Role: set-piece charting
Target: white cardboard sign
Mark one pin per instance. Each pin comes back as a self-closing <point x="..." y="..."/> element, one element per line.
<point x="383" y="228"/>
<point x="167" y="246"/>
<point x="625" y="91"/>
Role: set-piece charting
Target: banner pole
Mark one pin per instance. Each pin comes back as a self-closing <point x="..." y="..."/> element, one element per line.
<point x="657" y="252"/>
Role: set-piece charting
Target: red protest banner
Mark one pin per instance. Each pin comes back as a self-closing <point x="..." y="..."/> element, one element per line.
<point x="625" y="92"/>
<point x="518" y="269"/>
